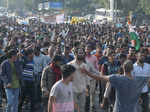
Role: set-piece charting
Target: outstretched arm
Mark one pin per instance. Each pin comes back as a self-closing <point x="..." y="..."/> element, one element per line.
<point x="101" y="77"/>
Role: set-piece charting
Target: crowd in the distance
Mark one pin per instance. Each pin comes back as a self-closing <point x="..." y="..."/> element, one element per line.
<point x="54" y="67"/>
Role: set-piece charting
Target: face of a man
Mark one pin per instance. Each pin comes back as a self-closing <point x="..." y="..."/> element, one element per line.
<point x="31" y="56"/>
<point x="132" y="51"/>
<point x="141" y="57"/>
<point x="99" y="50"/>
<point x="111" y="57"/>
<point x="67" y="51"/>
<point x="70" y="78"/>
<point x="14" y="58"/>
<point x="58" y="63"/>
<point x="80" y="55"/>
<point x="88" y="50"/>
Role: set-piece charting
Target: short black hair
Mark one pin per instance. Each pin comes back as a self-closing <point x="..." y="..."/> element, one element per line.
<point x="37" y="49"/>
<point x="77" y="49"/>
<point x="89" y="46"/>
<point x="11" y="53"/>
<point x="28" y="52"/>
<point x="132" y="48"/>
<point x="1" y="41"/>
<point x="67" y="70"/>
<point x="110" y="46"/>
<point x="128" y="66"/>
<point x="76" y="44"/>
<point x="141" y="52"/>
<point x="56" y="58"/>
<point x="122" y="56"/>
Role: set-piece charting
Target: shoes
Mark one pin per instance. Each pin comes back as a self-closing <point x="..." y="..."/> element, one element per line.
<point x="104" y="104"/>
<point x="1" y="106"/>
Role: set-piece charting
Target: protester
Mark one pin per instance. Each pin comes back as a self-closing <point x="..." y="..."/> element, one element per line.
<point x="80" y="81"/>
<point x="27" y="90"/>
<point x="39" y="64"/>
<point x="50" y="75"/>
<point x="91" y="59"/>
<point x="61" y="95"/>
<point x="11" y="75"/>
<point x="142" y="68"/>
<point x="48" y="40"/>
<point x="67" y="57"/>
<point x="108" y="68"/>
<point x="1" y="54"/>
<point x="128" y="88"/>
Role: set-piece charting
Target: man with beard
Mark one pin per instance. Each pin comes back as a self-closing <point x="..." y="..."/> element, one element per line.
<point x="80" y="81"/>
<point x="142" y="69"/>
<point x="131" y="55"/>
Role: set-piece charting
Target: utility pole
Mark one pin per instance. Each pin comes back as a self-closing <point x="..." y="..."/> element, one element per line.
<point x="112" y="9"/>
<point x="7" y="4"/>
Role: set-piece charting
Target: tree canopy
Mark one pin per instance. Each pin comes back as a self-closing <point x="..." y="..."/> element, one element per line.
<point x="126" y="5"/>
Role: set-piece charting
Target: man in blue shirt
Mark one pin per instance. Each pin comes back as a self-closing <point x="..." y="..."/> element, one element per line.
<point x="128" y="88"/>
<point x="66" y="57"/>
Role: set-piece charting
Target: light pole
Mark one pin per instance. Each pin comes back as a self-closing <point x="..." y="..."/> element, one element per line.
<point x="7" y="4"/>
<point x="112" y="9"/>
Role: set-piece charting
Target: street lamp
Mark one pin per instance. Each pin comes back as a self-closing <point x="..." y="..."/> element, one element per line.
<point x="112" y="9"/>
<point x="7" y="3"/>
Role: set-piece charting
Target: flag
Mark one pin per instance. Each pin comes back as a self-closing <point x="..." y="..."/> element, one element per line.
<point x="134" y="38"/>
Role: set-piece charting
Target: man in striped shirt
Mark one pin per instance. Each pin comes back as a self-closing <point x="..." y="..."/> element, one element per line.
<point x="28" y="88"/>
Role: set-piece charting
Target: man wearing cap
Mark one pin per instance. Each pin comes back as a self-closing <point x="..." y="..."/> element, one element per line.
<point x="61" y="95"/>
<point x="50" y="75"/>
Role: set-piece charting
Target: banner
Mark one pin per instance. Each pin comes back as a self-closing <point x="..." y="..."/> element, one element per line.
<point x="46" y="6"/>
<point x="56" y="5"/>
<point x="40" y="7"/>
<point x="60" y="18"/>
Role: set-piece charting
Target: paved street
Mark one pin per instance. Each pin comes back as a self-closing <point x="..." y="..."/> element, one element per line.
<point x="26" y="107"/>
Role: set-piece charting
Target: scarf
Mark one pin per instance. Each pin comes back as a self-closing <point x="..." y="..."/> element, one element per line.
<point x="57" y="71"/>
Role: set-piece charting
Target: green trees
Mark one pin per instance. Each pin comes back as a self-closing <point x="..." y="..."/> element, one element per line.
<point x="126" y="5"/>
<point x="144" y="5"/>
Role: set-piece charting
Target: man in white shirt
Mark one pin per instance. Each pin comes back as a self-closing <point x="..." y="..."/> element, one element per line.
<point x="61" y="95"/>
<point x="142" y="69"/>
<point x="93" y="63"/>
<point x="80" y="80"/>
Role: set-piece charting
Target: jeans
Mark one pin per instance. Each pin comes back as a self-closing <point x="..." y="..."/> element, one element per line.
<point x="145" y="102"/>
<point x="28" y="90"/>
<point x="12" y="99"/>
<point x="80" y="99"/>
<point x="45" y="103"/>
<point x="37" y="88"/>
<point x="1" y="93"/>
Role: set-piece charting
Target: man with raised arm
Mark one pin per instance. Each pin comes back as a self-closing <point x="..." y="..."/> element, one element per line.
<point x="128" y="87"/>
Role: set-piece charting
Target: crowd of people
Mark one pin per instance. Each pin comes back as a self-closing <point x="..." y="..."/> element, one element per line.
<point x="59" y="67"/>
